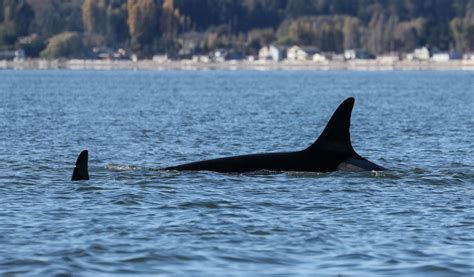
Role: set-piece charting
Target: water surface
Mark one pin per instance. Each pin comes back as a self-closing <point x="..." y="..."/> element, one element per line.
<point x="131" y="218"/>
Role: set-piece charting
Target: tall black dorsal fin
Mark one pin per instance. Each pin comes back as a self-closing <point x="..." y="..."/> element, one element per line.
<point x="336" y="135"/>
<point x="81" y="171"/>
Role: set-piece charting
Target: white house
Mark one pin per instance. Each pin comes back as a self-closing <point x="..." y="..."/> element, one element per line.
<point x="440" y="57"/>
<point x="264" y="53"/>
<point x="356" y="54"/>
<point x="160" y="58"/>
<point x="277" y="52"/>
<point x="421" y="54"/>
<point x="319" y="58"/>
<point x="468" y="57"/>
<point x="19" y="55"/>
<point x="444" y="57"/>
<point x="272" y="52"/>
<point x="200" y="58"/>
<point x="390" y="58"/>
<point x="297" y="53"/>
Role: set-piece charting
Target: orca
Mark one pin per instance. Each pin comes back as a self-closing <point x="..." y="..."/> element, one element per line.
<point x="81" y="171"/>
<point x="332" y="151"/>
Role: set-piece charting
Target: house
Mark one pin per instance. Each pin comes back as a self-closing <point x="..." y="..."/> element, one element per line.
<point x="233" y="55"/>
<point x="19" y="55"/>
<point x="272" y="52"/>
<point x="303" y="53"/>
<point x="337" y="57"/>
<point x="29" y="39"/>
<point x="102" y="53"/>
<point x="7" y="55"/>
<point x="120" y="54"/>
<point x="160" y="58"/>
<point x="389" y="58"/>
<point x="444" y="57"/>
<point x="264" y="53"/>
<point x="106" y="53"/>
<point x="468" y="57"/>
<point x="200" y="58"/>
<point x="221" y="55"/>
<point x="319" y="58"/>
<point x="191" y="43"/>
<point x="420" y="54"/>
<point x="356" y="54"/>
<point x="16" y="55"/>
<point x="277" y="52"/>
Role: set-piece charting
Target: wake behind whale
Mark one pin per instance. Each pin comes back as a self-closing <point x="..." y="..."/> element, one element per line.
<point x="331" y="151"/>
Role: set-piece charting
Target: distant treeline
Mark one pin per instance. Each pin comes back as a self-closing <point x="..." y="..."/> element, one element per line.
<point x="72" y="28"/>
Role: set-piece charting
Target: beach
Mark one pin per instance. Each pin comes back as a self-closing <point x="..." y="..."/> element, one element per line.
<point x="79" y="64"/>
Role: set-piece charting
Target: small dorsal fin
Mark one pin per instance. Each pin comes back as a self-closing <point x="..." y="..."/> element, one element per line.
<point x="81" y="171"/>
<point x="336" y="135"/>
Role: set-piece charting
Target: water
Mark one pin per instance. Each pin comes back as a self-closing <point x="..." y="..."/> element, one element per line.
<point x="131" y="218"/>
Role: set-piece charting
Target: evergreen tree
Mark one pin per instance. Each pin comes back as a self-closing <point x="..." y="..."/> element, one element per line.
<point x="142" y="23"/>
<point x="16" y="17"/>
<point x="94" y="14"/>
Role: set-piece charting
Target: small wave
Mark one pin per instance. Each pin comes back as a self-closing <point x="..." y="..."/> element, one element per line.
<point x="128" y="199"/>
<point x="201" y="204"/>
<point x="405" y="213"/>
<point x="164" y="257"/>
<point x="23" y="262"/>
<point x="56" y="271"/>
<point x="436" y="270"/>
<point x="257" y="259"/>
<point x="88" y="188"/>
<point x="386" y="174"/>
<point x="119" y="167"/>
<point x="354" y="256"/>
<point x="306" y="174"/>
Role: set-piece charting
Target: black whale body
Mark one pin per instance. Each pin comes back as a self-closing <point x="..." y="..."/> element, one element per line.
<point x="330" y="152"/>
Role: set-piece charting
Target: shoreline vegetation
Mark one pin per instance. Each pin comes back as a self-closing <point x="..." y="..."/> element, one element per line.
<point x="79" y="64"/>
<point x="299" y="30"/>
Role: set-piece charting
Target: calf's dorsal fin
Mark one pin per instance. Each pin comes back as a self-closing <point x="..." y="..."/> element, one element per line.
<point x="336" y="135"/>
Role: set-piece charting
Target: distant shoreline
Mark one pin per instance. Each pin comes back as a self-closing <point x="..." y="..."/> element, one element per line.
<point x="368" y="65"/>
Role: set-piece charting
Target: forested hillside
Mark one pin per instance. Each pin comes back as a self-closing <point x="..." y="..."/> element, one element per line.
<point x="71" y="28"/>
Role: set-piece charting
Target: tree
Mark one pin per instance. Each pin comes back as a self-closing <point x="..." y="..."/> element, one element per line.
<point x="407" y="34"/>
<point x="146" y="26"/>
<point x="142" y="22"/>
<point x="117" y="29"/>
<point x="17" y="16"/>
<point x="169" y="20"/>
<point x="463" y="34"/>
<point x="94" y="14"/>
<point x="351" y="33"/>
<point x="56" y="16"/>
<point x="374" y="42"/>
<point x="7" y="34"/>
<point x="68" y="45"/>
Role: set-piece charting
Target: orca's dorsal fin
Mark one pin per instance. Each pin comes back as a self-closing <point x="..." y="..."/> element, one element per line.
<point x="336" y="135"/>
<point x="81" y="171"/>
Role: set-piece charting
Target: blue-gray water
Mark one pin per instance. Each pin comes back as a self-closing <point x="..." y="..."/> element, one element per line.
<point x="131" y="218"/>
